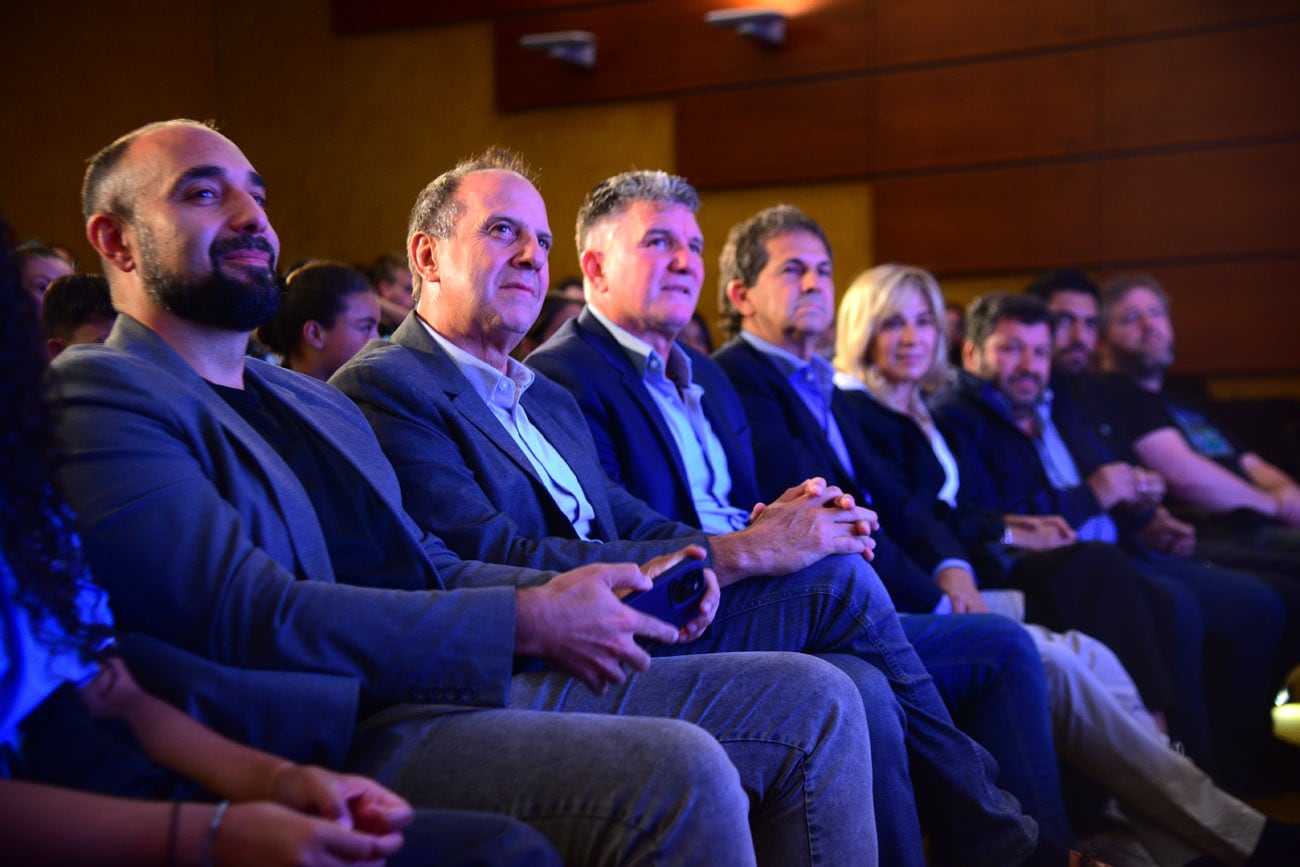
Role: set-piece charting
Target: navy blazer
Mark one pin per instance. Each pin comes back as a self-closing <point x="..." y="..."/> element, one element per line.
<point x="206" y="541"/>
<point x="636" y="448"/>
<point x="464" y="478"/>
<point x="898" y="441"/>
<point x="1000" y="467"/>
<point x="789" y="447"/>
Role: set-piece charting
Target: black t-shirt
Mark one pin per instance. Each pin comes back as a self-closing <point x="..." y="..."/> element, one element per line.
<point x="1117" y="412"/>
<point x="1192" y="418"/>
<point x="364" y="539"/>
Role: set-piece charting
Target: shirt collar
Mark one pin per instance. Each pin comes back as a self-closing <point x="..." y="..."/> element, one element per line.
<point x="791" y="364"/>
<point x="490" y="384"/>
<point x="644" y="357"/>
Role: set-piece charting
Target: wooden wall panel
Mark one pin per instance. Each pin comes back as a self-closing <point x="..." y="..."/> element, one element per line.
<point x="1222" y="202"/>
<point x="799" y="133"/>
<point x="1233" y="84"/>
<point x="923" y="31"/>
<point x="1235" y="317"/>
<point x="972" y="222"/>
<point x="1150" y="17"/>
<point x="1214" y="203"/>
<point x="987" y="112"/>
<point x="649" y="49"/>
<point x="351" y="17"/>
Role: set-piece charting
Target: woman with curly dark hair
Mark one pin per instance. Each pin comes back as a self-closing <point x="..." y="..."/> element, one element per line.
<point x="55" y="629"/>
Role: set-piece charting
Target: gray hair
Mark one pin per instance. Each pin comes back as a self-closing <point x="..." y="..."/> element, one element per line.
<point x="436" y="210"/>
<point x="612" y="196"/>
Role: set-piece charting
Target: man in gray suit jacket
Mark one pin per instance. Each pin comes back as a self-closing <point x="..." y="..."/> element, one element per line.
<point x="454" y="412"/>
<point x="243" y="516"/>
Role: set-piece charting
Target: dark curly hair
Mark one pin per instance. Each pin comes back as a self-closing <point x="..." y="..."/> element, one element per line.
<point x="38" y="541"/>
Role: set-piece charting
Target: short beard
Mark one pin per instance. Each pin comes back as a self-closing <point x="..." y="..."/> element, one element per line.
<point x="1141" y="365"/>
<point x="216" y="300"/>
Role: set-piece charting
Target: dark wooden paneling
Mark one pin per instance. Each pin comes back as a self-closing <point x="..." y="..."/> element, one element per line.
<point x="1148" y="17"/>
<point x="1221" y="202"/>
<point x="1238" y="83"/>
<point x="797" y="133"/>
<point x="650" y="49"/>
<point x="1235" y="317"/>
<point x="987" y="112"/>
<point x="990" y="221"/>
<point x="920" y="31"/>
<point x="349" y="17"/>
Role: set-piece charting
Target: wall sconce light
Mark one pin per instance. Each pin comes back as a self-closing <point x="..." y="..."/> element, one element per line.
<point x="765" y="25"/>
<point x="571" y="46"/>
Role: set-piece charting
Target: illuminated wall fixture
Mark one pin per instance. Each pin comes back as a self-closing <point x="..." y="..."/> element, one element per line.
<point x="765" y="25"/>
<point x="572" y="46"/>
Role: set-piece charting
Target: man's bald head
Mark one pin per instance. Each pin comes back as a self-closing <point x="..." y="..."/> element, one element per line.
<point x="105" y="188"/>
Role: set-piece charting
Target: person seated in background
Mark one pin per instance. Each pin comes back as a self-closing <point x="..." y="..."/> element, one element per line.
<point x="327" y="313"/>
<point x="1027" y="452"/>
<point x="696" y="334"/>
<point x="456" y="413"/>
<point x="39" y="265"/>
<point x="890" y="355"/>
<point x="290" y="565"/>
<point x="77" y="308"/>
<point x="62" y="684"/>
<point x="954" y="330"/>
<point x="1247" y="510"/>
<point x="558" y="307"/>
<point x="391" y="279"/>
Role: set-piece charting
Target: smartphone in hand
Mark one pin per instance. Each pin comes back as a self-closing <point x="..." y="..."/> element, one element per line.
<point x="675" y="596"/>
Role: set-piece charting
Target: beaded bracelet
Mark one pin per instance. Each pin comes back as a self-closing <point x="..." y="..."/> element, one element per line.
<point x="209" y="841"/>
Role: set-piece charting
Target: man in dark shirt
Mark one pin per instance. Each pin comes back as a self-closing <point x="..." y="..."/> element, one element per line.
<point x="1246" y="509"/>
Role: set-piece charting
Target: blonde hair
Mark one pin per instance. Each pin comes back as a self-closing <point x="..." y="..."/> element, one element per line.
<point x="871" y="298"/>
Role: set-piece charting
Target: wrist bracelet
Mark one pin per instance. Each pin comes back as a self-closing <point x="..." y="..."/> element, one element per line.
<point x="172" y="830"/>
<point x="209" y="841"/>
<point x="1007" y="538"/>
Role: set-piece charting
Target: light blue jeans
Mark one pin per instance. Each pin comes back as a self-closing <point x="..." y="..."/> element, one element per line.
<point x="776" y="764"/>
<point x="838" y="606"/>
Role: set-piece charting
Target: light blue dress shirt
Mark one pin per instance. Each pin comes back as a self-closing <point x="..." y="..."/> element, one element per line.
<point x="680" y="403"/>
<point x="501" y="393"/>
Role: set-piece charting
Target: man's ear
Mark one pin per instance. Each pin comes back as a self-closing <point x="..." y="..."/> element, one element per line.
<point x="738" y="295"/>
<point x="424" y="254"/>
<point x="313" y="333"/>
<point x="108" y="235"/>
<point x="969" y="356"/>
<point x="592" y="264"/>
<point x="54" y="346"/>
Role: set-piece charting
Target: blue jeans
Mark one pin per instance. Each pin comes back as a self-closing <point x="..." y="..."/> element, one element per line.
<point x="838" y="606"/>
<point x="455" y="838"/>
<point x="780" y="737"/>
<point x="1230" y="693"/>
<point x="990" y="675"/>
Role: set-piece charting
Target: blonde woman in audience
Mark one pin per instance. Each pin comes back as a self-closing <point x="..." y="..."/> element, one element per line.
<point x="889" y="354"/>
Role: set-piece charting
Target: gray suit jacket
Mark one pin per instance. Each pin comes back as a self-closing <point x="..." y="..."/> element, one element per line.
<point x="206" y="541"/>
<point x="464" y="478"/>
